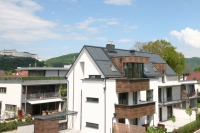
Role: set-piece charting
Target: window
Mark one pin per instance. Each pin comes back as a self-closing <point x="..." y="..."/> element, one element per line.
<point x="2" y="89"/>
<point x="123" y="98"/>
<point x="134" y="70"/>
<point x="92" y="125"/>
<point x="134" y="98"/>
<point x="90" y="99"/>
<point x="149" y="95"/>
<point x="112" y="67"/>
<point x="95" y="76"/>
<point x="10" y="107"/>
<point x="121" y="120"/>
<point x="135" y="121"/>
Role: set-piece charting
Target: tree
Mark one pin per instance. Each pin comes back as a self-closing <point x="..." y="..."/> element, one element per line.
<point x="173" y="119"/>
<point x="189" y="112"/>
<point x="174" y="59"/>
<point x="197" y="69"/>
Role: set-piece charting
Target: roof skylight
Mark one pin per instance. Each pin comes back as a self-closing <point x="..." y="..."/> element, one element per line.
<point x="112" y="67"/>
<point x="154" y="68"/>
<point x="146" y="69"/>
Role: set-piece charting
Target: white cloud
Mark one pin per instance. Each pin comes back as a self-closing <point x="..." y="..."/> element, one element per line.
<point x="113" y="23"/>
<point x="188" y="36"/>
<point x="19" y="23"/>
<point x="125" y="40"/>
<point x="118" y="2"/>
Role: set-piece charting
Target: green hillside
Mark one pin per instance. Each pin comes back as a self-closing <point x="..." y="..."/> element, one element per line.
<point x="192" y="63"/>
<point x="61" y="60"/>
<point x="10" y="64"/>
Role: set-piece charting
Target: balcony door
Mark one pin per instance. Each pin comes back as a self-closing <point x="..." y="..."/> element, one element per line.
<point x="159" y="95"/>
<point x="160" y="114"/>
<point x="169" y="94"/>
<point x="169" y="112"/>
<point x="123" y="98"/>
<point x="134" y="97"/>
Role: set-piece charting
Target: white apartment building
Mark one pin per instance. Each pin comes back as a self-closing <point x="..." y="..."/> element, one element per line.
<point x="111" y="87"/>
<point x="38" y="92"/>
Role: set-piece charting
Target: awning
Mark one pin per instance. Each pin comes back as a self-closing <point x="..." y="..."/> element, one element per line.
<point x="45" y="101"/>
<point x="56" y="115"/>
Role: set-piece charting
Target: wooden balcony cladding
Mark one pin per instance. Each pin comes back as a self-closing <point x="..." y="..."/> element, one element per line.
<point x="120" y="61"/>
<point x="134" y="111"/>
<point x="132" y="85"/>
<point x="160" y="67"/>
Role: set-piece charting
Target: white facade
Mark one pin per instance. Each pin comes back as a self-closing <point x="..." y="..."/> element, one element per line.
<point x="80" y="88"/>
<point x="11" y="97"/>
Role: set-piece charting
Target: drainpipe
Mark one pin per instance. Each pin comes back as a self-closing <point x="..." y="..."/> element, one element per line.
<point x="105" y="106"/>
<point x="25" y="98"/>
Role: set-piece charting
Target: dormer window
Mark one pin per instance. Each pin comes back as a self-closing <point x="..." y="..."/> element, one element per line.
<point x="134" y="70"/>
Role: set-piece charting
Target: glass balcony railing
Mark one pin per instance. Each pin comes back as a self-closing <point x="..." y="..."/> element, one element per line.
<point x="37" y="96"/>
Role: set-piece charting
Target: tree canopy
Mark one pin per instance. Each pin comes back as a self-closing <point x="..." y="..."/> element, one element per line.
<point x="168" y="52"/>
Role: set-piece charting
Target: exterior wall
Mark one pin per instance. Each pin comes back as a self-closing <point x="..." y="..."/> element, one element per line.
<point x="93" y="112"/>
<point x="45" y="126"/>
<point x="160" y="67"/>
<point x="153" y="84"/>
<point x="25" y="129"/>
<point x="82" y="68"/>
<point x="12" y="96"/>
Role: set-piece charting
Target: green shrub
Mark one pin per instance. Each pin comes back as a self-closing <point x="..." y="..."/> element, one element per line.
<point x="189" y="128"/>
<point x="8" y="126"/>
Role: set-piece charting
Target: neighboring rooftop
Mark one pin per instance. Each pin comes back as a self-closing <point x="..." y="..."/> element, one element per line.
<point x="193" y="76"/>
<point x="41" y="68"/>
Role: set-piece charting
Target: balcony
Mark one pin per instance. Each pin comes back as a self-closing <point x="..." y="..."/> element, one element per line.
<point x="192" y="95"/>
<point x="33" y="80"/>
<point x="135" y="111"/>
<point x="40" y="96"/>
<point x="132" y="85"/>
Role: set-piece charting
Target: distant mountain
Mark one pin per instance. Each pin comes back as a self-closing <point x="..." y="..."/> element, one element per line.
<point x="61" y="60"/>
<point x="192" y="63"/>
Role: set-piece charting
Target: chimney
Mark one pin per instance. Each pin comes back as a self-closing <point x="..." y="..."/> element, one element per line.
<point x="110" y="47"/>
<point x="132" y="52"/>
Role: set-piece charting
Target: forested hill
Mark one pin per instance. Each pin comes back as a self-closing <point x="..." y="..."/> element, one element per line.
<point x="192" y="63"/>
<point x="10" y="64"/>
<point x="61" y="60"/>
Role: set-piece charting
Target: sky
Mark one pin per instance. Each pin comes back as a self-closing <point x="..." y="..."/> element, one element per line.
<point x="52" y="28"/>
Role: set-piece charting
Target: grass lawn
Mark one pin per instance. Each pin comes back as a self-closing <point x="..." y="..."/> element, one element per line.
<point x="198" y="105"/>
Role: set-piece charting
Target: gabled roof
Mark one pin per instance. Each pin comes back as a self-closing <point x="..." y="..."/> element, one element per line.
<point x="193" y="76"/>
<point x="103" y="60"/>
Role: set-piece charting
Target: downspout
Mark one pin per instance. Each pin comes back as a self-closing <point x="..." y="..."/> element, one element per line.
<point x="81" y="113"/>
<point x="25" y="98"/>
<point x="105" y="106"/>
<point x="73" y="97"/>
<point x="67" y="100"/>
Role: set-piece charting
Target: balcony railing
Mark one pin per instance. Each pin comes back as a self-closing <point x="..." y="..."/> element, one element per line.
<point x="38" y="96"/>
<point x="132" y="85"/>
<point x="135" y="111"/>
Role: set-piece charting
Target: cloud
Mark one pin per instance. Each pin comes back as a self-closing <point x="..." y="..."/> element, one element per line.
<point x="125" y="40"/>
<point x="19" y="23"/>
<point x="188" y="36"/>
<point x="119" y="2"/>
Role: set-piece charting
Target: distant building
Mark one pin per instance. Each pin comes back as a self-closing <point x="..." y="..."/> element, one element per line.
<point x="14" y="53"/>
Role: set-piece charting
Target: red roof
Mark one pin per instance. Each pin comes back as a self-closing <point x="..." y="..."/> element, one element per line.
<point x="2" y="73"/>
<point x="193" y="76"/>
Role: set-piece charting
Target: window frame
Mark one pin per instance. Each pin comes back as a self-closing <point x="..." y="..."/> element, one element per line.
<point x="92" y="99"/>
<point x="3" y="90"/>
<point x="92" y="125"/>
